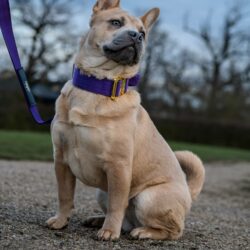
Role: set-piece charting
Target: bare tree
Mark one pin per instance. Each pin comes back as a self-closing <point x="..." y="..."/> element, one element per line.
<point x="177" y="85"/>
<point x="226" y="65"/>
<point x="155" y="52"/>
<point x="164" y="75"/>
<point x="45" y="37"/>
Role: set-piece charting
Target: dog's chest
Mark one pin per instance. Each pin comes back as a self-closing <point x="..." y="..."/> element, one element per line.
<point x="88" y="153"/>
<point x="91" y="149"/>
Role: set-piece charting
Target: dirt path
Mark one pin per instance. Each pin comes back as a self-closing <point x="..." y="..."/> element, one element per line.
<point x="220" y="219"/>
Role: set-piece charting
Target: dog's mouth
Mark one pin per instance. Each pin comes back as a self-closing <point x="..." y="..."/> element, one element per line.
<point x="124" y="50"/>
<point x="128" y="55"/>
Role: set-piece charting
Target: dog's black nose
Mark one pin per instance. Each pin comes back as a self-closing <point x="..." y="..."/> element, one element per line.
<point x="136" y="36"/>
<point x="133" y="34"/>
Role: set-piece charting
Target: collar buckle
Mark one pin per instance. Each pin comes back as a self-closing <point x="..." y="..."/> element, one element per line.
<point x="116" y="85"/>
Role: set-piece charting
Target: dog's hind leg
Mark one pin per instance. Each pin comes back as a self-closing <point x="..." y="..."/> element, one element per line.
<point x="161" y="210"/>
<point x="66" y="188"/>
<point x="97" y="221"/>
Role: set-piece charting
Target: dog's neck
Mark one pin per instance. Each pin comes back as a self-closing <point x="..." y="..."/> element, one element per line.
<point x="92" y="62"/>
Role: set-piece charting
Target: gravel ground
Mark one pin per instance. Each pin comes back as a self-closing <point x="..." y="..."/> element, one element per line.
<point x="220" y="219"/>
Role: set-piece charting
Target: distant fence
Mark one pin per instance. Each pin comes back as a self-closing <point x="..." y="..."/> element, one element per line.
<point x="14" y="115"/>
<point x="206" y="132"/>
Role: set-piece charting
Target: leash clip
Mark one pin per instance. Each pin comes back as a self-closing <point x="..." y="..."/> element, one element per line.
<point x="115" y="86"/>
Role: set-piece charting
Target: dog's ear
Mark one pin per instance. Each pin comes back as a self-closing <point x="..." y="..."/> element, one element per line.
<point x="150" y="18"/>
<point x="105" y="5"/>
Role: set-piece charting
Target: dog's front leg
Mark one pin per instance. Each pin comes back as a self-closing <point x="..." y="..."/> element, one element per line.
<point x="119" y="179"/>
<point x="66" y="187"/>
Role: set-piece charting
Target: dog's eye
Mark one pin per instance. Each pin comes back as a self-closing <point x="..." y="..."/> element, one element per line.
<point x="116" y="23"/>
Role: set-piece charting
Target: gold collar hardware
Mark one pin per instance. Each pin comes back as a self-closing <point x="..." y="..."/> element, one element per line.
<point x="115" y="85"/>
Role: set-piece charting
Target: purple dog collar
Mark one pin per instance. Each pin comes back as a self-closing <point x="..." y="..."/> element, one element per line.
<point x="106" y="87"/>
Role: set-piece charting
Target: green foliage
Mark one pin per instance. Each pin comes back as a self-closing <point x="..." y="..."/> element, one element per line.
<point x="37" y="146"/>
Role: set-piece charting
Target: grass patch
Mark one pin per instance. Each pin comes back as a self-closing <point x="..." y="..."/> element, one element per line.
<point x="213" y="153"/>
<point x="38" y="147"/>
<point x="25" y="146"/>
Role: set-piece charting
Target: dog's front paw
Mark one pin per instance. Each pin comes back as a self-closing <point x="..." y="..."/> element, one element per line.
<point x="107" y="234"/>
<point x="57" y="222"/>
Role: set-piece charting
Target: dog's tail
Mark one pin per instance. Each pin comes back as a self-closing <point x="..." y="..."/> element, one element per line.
<point x="194" y="170"/>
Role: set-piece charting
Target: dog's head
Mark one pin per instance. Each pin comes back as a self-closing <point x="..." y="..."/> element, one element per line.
<point x="116" y="39"/>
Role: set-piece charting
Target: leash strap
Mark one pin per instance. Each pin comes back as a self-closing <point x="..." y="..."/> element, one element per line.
<point x="8" y="35"/>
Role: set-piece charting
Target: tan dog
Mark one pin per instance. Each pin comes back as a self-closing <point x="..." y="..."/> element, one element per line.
<point x="144" y="187"/>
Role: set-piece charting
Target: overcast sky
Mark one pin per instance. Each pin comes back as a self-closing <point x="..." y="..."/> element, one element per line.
<point x="172" y="11"/>
<point x="172" y="14"/>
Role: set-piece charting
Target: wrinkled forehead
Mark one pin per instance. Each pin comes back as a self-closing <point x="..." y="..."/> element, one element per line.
<point x="116" y="13"/>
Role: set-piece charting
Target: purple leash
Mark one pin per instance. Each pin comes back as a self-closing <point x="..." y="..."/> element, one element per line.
<point x="8" y="35"/>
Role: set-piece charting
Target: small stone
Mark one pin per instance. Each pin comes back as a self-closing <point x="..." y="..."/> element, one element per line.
<point x="20" y="232"/>
<point x="33" y="237"/>
<point x="59" y="234"/>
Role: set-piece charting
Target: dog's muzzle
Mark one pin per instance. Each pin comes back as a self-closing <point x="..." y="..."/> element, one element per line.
<point x="126" y="48"/>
